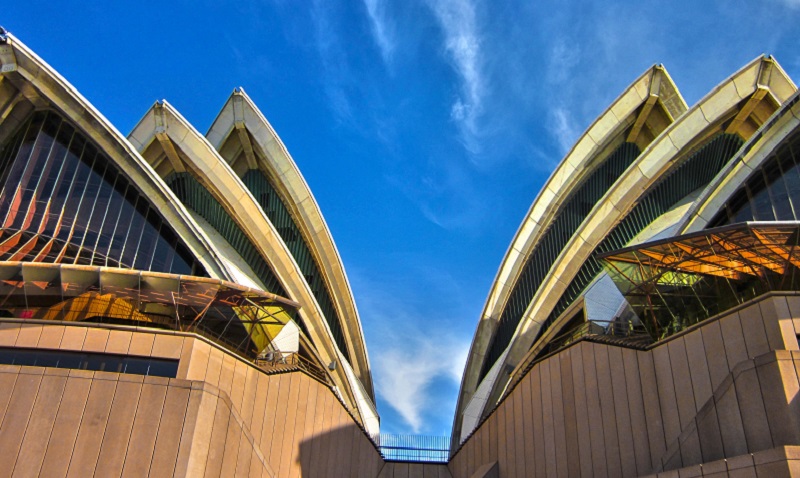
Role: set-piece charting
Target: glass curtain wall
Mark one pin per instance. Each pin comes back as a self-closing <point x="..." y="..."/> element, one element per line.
<point x="675" y="283"/>
<point x="63" y="201"/>
<point x="238" y="318"/>
<point x="772" y="193"/>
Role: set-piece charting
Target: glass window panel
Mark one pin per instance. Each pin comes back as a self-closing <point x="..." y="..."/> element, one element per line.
<point x="99" y="210"/>
<point x="123" y="226"/>
<point x="9" y="154"/>
<point x="163" y="368"/>
<point x="24" y="357"/>
<point x="21" y="200"/>
<point x="138" y="366"/>
<point x="135" y="230"/>
<point x="164" y="251"/>
<point x="63" y="187"/>
<point x="90" y="361"/>
<point x="70" y="360"/>
<point x="87" y="201"/>
<point x="791" y="179"/>
<point x="47" y="359"/>
<point x="112" y="202"/>
<point x="96" y="362"/>
<point x="63" y="139"/>
<point x="759" y="198"/>
<point x="47" y="175"/>
<point x="7" y="356"/>
<point x="23" y="155"/>
<point x="779" y="196"/>
<point x="44" y="143"/>
<point x="72" y="202"/>
<point x="148" y="242"/>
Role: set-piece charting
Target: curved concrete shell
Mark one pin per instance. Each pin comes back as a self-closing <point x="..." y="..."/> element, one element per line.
<point x="636" y="117"/>
<point x="247" y="141"/>
<point x="749" y="159"/>
<point x="737" y="107"/>
<point x="172" y="145"/>
<point x="28" y="84"/>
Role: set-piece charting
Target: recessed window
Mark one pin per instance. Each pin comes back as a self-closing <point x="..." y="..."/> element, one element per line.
<point x="90" y="361"/>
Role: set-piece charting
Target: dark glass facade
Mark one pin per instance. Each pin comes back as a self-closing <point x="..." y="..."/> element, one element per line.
<point x="197" y="198"/>
<point x="771" y="193"/>
<point x="64" y="201"/>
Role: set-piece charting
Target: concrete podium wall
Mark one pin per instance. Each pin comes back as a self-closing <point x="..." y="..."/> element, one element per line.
<point x="601" y="410"/>
<point x="58" y="422"/>
<point x="220" y="417"/>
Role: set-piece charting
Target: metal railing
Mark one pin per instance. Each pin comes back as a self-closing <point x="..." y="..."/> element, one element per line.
<point x="614" y="329"/>
<point x="415" y="448"/>
<point x="288" y="362"/>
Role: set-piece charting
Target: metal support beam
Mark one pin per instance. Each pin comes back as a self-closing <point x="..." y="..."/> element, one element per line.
<point x="241" y="130"/>
<point x="744" y="112"/>
<point x="640" y="120"/>
<point x="652" y="99"/>
<point x="5" y="110"/>
<point x="166" y="142"/>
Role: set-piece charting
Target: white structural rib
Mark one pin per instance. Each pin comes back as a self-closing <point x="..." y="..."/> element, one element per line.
<point x="185" y="149"/>
<point x="29" y="83"/>
<point x="262" y="149"/>
<point x="629" y="119"/>
<point x="749" y="159"/>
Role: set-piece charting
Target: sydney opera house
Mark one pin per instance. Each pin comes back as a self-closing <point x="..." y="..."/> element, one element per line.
<point x="173" y="303"/>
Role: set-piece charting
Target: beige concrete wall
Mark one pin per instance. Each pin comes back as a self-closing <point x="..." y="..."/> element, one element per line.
<point x="779" y="462"/>
<point x="300" y="425"/>
<point x="600" y="410"/>
<point x="756" y="408"/>
<point x="76" y="423"/>
<point x="281" y="424"/>
<point x="724" y="389"/>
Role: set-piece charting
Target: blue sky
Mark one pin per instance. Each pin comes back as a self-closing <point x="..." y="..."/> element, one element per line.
<point x="424" y="128"/>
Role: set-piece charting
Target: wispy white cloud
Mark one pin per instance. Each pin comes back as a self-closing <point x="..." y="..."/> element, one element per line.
<point x="562" y="61"/>
<point x="790" y="3"/>
<point x="406" y="370"/>
<point x="562" y="126"/>
<point x="564" y="57"/>
<point x="382" y="28"/>
<point x="417" y="353"/>
<point x="336" y="74"/>
<point x="463" y="46"/>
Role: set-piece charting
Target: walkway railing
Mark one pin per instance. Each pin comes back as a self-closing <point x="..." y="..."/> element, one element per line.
<point x="277" y="361"/>
<point x="635" y="335"/>
<point x="419" y="448"/>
